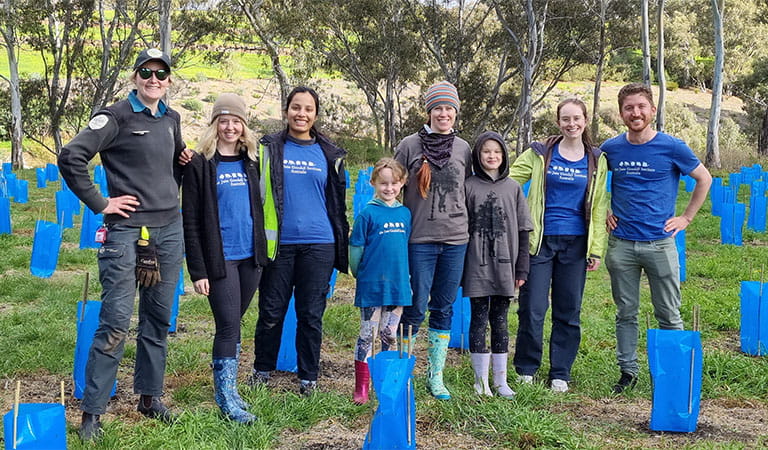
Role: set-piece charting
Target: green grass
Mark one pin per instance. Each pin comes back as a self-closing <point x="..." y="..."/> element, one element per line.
<point x="38" y="336"/>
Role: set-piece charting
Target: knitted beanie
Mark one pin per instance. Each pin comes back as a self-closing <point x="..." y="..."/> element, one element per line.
<point x="229" y="103"/>
<point x="441" y="93"/>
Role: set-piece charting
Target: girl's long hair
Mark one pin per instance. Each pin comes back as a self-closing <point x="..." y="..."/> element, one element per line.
<point x="210" y="138"/>
<point x="585" y="136"/>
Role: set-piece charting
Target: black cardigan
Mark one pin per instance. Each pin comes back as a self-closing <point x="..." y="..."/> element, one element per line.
<point x="200" y="210"/>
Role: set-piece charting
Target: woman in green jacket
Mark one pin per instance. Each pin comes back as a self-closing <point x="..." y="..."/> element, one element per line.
<point x="568" y="201"/>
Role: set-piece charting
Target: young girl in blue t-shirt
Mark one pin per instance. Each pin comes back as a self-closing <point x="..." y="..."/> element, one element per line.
<point x="378" y="257"/>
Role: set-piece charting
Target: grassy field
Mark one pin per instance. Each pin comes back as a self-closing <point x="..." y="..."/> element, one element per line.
<point x="37" y="319"/>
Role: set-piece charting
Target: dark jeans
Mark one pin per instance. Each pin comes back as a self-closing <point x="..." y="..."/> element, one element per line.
<point x="304" y="270"/>
<point x="229" y="299"/>
<point x="117" y="273"/>
<point x="561" y="263"/>
<point x="435" y="276"/>
<point x="491" y="309"/>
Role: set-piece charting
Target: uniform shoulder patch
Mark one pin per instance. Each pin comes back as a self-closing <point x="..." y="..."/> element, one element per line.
<point x="98" y="122"/>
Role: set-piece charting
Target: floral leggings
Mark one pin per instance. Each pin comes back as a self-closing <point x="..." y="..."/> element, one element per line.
<point x="383" y="318"/>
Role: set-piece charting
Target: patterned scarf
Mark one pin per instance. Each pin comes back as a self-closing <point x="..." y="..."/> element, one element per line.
<point x="436" y="147"/>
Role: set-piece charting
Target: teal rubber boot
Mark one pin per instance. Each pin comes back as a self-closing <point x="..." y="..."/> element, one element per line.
<point x="437" y="351"/>
<point x="224" y="385"/>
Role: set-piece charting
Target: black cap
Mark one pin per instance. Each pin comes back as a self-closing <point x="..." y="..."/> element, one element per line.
<point x="152" y="54"/>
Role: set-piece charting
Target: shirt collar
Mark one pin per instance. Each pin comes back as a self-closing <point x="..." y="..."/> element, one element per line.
<point x="138" y="106"/>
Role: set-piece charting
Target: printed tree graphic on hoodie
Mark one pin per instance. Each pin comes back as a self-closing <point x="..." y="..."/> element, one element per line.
<point x="444" y="182"/>
<point x="488" y="223"/>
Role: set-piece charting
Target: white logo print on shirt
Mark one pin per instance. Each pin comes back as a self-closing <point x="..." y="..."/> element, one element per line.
<point x="634" y="167"/>
<point x="393" y="227"/>
<point x="232" y="179"/>
<point x="300" y="167"/>
<point x="566" y="173"/>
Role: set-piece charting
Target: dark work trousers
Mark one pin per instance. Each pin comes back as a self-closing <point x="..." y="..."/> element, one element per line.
<point x="491" y="309"/>
<point x="561" y="264"/>
<point x="229" y="298"/>
<point x="304" y="270"/>
<point x="117" y="273"/>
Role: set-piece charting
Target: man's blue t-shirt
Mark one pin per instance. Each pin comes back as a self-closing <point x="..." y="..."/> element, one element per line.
<point x="382" y="276"/>
<point x="234" y="202"/>
<point x="645" y="181"/>
<point x="566" y="188"/>
<point x="305" y="174"/>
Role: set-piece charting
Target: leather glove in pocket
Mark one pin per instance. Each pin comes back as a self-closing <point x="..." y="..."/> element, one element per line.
<point x="147" y="267"/>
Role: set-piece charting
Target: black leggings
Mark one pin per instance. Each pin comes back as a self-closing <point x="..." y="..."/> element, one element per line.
<point x="480" y="306"/>
<point x="229" y="298"/>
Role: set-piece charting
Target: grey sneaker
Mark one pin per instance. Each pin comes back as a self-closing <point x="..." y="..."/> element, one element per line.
<point x="258" y="378"/>
<point x="307" y="387"/>
<point x="559" y="385"/>
<point x="525" y="379"/>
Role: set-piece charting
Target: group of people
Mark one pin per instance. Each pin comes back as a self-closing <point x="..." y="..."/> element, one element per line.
<point x="271" y="215"/>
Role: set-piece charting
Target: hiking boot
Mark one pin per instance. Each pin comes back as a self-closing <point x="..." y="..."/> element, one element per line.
<point x="153" y="408"/>
<point x="90" y="427"/>
<point x="627" y="381"/>
<point x="258" y="378"/>
<point x="559" y="385"/>
<point x="307" y="387"/>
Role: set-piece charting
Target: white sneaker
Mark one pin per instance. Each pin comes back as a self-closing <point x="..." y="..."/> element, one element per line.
<point x="525" y="379"/>
<point x="559" y="385"/>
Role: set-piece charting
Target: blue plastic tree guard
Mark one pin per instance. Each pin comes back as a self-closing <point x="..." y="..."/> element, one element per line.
<point x="5" y="216"/>
<point x="38" y="426"/>
<point x="52" y="172"/>
<point x="73" y="201"/>
<point x="609" y="181"/>
<point x="3" y="186"/>
<point x="757" y="207"/>
<point x="754" y="318"/>
<point x="45" y="249"/>
<point x="40" y="177"/>
<point x="7" y="167"/>
<point x="716" y="195"/>
<point x="394" y="422"/>
<point x="174" y="312"/>
<point x="332" y="284"/>
<point x="63" y="211"/>
<point x="11" y="184"/>
<point x="731" y="223"/>
<point x="675" y="362"/>
<point x="90" y="223"/>
<point x="460" y="322"/>
<point x="286" y="357"/>
<point x="22" y="191"/>
<point x="688" y="182"/>
<point x="681" y="257"/>
<point x="87" y="324"/>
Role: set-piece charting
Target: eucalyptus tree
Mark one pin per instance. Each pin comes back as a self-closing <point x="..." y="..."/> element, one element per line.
<point x="58" y="31"/>
<point x="713" y="131"/>
<point x="11" y="42"/>
<point x="661" y="76"/>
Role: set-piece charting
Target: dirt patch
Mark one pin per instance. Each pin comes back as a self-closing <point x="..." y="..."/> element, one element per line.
<point x="720" y="421"/>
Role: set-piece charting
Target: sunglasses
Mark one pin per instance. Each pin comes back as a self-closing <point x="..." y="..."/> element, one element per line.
<point x="146" y="73"/>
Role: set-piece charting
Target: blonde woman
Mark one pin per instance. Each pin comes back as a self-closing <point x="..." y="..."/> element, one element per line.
<point x="224" y="237"/>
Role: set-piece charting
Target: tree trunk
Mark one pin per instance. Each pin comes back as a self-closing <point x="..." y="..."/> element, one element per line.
<point x="762" y="139"/>
<point x="17" y="132"/>
<point x="713" y="131"/>
<point x="599" y="72"/>
<point x="165" y="26"/>
<point x="660" y="67"/>
<point x="646" y="43"/>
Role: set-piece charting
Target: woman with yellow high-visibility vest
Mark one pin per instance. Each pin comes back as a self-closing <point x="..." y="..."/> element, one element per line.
<point x="303" y="188"/>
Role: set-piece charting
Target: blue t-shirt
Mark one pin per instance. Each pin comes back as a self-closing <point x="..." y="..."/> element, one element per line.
<point x="382" y="276"/>
<point x="234" y="202"/>
<point x="566" y="188"/>
<point x="305" y="215"/>
<point x="644" y="184"/>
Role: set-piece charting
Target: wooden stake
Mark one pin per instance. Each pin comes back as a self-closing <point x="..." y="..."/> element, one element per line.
<point x="62" y="393"/>
<point x="85" y="295"/>
<point x="402" y="329"/>
<point x="16" y="413"/>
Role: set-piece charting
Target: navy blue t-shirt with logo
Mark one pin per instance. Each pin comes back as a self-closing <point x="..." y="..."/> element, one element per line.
<point x="566" y="187"/>
<point x="234" y="201"/>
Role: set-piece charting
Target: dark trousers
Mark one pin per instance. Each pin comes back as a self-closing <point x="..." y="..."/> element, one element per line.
<point x="304" y="270"/>
<point x="229" y="299"/>
<point x="491" y="309"/>
<point x="561" y="264"/>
